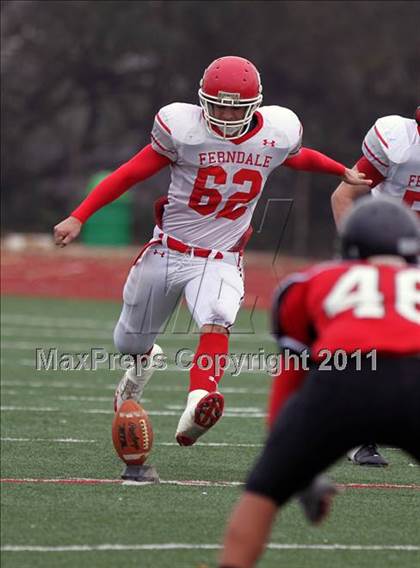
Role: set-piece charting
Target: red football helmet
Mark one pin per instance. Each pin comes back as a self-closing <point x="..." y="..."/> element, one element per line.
<point x="234" y="82"/>
<point x="417" y="115"/>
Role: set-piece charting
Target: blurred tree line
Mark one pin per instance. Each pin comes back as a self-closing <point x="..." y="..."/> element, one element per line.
<point x="82" y="81"/>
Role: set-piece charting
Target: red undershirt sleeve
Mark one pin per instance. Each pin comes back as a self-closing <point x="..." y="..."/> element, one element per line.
<point x="285" y="384"/>
<point x="365" y="167"/>
<point x="142" y="166"/>
<point x="310" y="160"/>
<point x="291" y="326"/>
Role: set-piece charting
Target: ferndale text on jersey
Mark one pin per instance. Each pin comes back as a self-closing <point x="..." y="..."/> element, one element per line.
<point x="234" y="157"/>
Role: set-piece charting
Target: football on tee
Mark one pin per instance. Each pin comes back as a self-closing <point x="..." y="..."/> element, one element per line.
<point x="132" y="433"/>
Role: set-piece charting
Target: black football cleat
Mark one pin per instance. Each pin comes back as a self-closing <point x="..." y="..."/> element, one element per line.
<point x="368" y="455"/>
<point x="316" y="499"/>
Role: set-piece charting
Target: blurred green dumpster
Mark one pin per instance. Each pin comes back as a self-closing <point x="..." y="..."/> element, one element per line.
<point x="113" y="224"/>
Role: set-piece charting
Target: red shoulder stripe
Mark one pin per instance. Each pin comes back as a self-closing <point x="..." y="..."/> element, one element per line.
<point x="378" y="134"/>
<point x="163" y="125"/>
<point x="161" y="146"/>
<point x="373" y="155"/>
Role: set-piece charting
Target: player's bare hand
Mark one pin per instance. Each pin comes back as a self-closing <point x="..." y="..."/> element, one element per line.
<point x="66" y="231"/>
<point x="353" y="177"/>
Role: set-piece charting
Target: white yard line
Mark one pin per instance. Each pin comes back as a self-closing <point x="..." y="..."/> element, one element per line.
<point x="106" y="399"/>
<point x="58" y="333"/>
<point x="41" y="321"/>
<point x="214" y="445"/>
<point x="174" y="444"/>
<point x="50" y="440"/>
<point x="232" y="409"/>
<point x="66" y="323"/>
<point x="169" y="444"/>
<point x="110" y="411"/>
<point x="56" y="385"/>
<point x="28" y="409"/>
<point x="236" y="345"/>
<point x="92" y="335"/>
<point x="32" y="345"/>
<point x="189" y="546"/>
<point x="30" y="383"/>
<point x="31" y="363"/>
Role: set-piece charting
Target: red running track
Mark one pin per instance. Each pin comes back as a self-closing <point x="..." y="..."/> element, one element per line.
<point x="66" y="273"/>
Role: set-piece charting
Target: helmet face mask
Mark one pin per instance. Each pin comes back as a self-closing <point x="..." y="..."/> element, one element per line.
<point x="231" y="82"/>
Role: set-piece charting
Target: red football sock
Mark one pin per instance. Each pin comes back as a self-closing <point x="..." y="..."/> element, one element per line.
<point x="209" y="361"/>
<point x="285" y="384"/>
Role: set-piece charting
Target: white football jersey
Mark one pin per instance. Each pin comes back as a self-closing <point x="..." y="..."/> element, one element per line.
<point x="215" y="183"/>
<point x="392" y="146"/>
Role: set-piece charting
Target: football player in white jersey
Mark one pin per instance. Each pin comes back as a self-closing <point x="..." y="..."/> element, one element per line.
<point x="220" y="155"/>
<point x="391" y="159"/>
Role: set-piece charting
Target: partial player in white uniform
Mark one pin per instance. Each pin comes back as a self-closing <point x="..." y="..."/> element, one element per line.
<point x="220" y="155"/>
<point x="391" y="158"/>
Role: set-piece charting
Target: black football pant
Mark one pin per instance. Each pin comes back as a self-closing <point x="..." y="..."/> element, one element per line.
<point x="333" y="412"/>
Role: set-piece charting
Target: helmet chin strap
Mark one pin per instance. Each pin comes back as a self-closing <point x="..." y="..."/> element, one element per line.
<point x="231" y="131"/>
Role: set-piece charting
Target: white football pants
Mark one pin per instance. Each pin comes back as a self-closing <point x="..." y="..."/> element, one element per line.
<point x="213" y="290"/>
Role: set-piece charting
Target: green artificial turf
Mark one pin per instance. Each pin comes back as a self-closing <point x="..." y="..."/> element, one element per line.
<point x="42" y="409"/>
